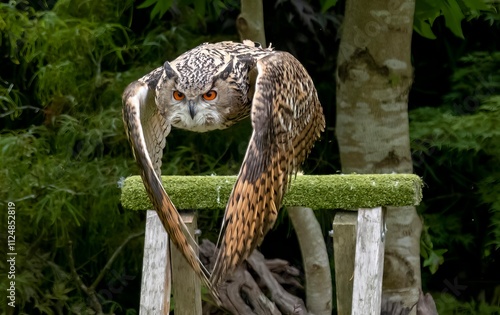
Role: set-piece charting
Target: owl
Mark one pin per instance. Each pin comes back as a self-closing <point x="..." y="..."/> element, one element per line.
<point x="213" y="86"/>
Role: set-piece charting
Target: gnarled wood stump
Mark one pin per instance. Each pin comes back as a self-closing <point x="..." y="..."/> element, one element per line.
<point x="257" y="287"/>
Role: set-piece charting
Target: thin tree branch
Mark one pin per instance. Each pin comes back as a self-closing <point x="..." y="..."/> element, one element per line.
<point x="94" y="301"/>
<point x="315" y="257"/>
<point x="112" y="259"/>
<point x="90" y="291"/>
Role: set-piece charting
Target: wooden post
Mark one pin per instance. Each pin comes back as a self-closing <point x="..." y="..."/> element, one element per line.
<point x="344" y="246"/>
<point x="186" y="284"/>
<point x="155" y="282"/>
<point x="369" y="262"/>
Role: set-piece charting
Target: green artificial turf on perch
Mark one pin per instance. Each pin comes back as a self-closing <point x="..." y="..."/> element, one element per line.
<point x="313" y="191"/>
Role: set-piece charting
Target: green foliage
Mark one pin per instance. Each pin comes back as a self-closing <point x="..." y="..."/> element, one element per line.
<point x="449" y="305"/>
<point x="13" y="24"/>
<point x="9" y="100"/>
<point x="474" y="82"/>
<point x="433" y="258"/>
<point x="62" y="164"/>
<point x="475" y="137"/>
<point x="159" y="9"/>
<point x="457" y="150"/>
<point x="65" y="150"/>
<point x="476" y="132"/>
<point x="453" y="11"/>
<point x="327" y="4"/>
<point x="197" y="8"/>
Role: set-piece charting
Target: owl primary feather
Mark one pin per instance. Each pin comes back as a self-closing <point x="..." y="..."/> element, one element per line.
<point x="213" y="86"/>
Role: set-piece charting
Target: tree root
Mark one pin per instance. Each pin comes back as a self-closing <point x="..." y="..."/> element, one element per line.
<point x="257" y="287"/>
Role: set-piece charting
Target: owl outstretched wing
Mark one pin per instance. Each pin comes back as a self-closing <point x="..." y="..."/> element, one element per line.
<point x="287" y="119"/>
<point x="147" y="129"/>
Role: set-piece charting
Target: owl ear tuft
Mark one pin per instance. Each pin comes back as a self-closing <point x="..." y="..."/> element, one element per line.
<point x="169" y="71"/>
<point x="224" y="73"/>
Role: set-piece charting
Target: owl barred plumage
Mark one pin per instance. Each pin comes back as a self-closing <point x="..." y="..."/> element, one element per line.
<point x="212" y="87"/>
<point x="287" y="118"/>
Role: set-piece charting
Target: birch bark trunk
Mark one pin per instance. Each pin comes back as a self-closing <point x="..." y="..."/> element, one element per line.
<point x="250" y="22"/>
<point x="374" y="75"/>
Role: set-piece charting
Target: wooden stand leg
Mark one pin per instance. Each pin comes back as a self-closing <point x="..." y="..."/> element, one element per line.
<point x="186" y="284"/>
<point x="344" y="246"/>
<point x="369" y="262"/>
<point x="155" y="282"/>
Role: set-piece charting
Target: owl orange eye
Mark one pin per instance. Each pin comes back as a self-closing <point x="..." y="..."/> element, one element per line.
<point x="210" y="95"/>
<point x="178" y="96"/>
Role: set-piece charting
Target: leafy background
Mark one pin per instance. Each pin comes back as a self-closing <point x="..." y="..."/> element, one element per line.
<point x="64" y="152"/>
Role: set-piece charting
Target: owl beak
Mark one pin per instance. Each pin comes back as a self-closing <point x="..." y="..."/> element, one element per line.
<point x="192" y="109"/>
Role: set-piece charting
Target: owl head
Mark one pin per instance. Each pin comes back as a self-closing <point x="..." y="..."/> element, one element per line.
<point x="199" y="92"/>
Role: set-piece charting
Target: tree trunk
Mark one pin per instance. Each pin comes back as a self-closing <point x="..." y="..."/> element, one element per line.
<point x="315" y="259"/>
<point x="374" y="76"/>
<point x="250" y="22"/>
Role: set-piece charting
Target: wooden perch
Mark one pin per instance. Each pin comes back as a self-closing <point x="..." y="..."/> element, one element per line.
<point x="258" y="287"/>
<point x="208" y="193"/>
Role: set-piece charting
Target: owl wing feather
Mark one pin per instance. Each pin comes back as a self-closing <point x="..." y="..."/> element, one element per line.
<point x="286" y="118"/>
<point x="147" y="129"/>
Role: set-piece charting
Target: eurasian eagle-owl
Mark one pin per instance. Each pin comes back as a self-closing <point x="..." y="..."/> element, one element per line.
<point x="212" y="87"/>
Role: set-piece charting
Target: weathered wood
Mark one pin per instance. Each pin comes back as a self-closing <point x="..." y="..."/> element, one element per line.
<point x="288" y="303"/>
<point x="258" y="287"/>
<point x="186" y="284"/>
<point x="315" y="258"/>
<point x="344" y="246"/>
<point x="369" y="262"/>
<point x="339" y="191"/>
<point x="426" y="304"/>
<point x="155" y="282"/>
